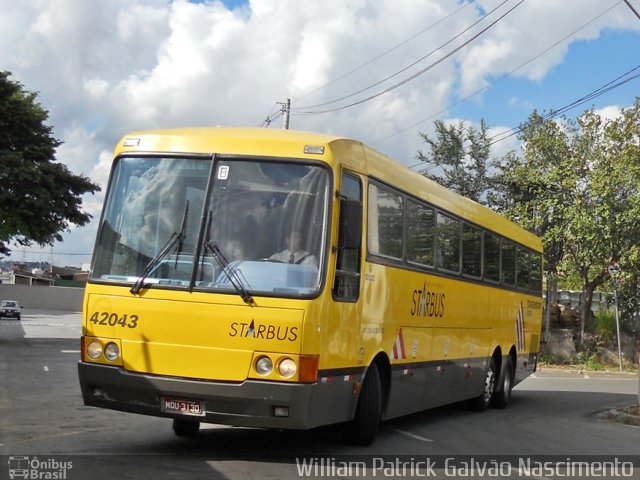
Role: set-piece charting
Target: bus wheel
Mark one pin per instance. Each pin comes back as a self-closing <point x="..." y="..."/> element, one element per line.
<point x="482" y="401"/>
<point x="364" y="426"/>
<point x="185" y="428"/>
<point x="501" y="397"/>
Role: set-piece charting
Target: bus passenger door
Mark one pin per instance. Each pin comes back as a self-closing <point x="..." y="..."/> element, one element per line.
<point x="346" y="321"/>
<point x="342" y="355"/>
<point x="347" y="281"/>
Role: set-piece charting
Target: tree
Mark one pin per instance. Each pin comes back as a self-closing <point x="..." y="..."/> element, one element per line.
<point x="459" y="159"/>
<point x="533" y="192"/>
<point x="39" y="197"/>
<point x="578" y="186"/>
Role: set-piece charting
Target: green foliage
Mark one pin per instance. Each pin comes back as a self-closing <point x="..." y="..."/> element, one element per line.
<point x="576" y="183"/>
<point x="39" y="197"/>
<point x="578" y="186"/>
<point x="545" y="358"/>
<point x="604" y="325"/>
<point x="458" y="158"/>
<point x="589" y="361"/>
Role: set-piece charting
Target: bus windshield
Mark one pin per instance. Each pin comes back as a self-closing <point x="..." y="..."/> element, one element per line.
<point x="165" y="219"/>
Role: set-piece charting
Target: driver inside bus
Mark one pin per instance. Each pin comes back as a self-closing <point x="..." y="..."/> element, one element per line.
<point x="294" y="253"/>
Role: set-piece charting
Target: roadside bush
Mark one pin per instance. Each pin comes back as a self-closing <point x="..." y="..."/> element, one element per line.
<point x="605" y="325"/>
<point x="590" y="361"/>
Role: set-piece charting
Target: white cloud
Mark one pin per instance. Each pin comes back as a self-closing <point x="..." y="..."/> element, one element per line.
<point x="532" y="28"/>
<point x="104" y="68"/>
<point x="609" y="113"/>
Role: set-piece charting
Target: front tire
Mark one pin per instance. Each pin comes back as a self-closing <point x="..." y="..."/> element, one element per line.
<point x="185" y="428"/>
<point x="363" y="428"/>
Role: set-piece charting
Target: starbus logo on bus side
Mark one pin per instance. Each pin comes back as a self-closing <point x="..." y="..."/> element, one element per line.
<point x="263" y="331"/>
<point x="427" y="303"/>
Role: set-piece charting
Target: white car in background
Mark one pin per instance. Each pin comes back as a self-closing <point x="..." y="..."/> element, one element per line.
<point x="10" y="308"/>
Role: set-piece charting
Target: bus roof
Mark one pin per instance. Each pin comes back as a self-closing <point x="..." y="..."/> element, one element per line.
<point x="247" y="141"/>
<point x="386" y="169"/>
<point x="292" y="143"/>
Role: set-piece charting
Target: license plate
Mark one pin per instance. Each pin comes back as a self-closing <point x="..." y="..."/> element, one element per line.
<point x="182" y="406"/>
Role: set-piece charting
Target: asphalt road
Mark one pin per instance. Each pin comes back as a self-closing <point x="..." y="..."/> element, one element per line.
<point x="42" y="417"/>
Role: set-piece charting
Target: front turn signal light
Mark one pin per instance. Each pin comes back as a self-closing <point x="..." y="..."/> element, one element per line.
<point x="309" y="368"/>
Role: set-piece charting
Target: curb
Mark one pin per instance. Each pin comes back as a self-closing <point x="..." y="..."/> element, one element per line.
<point x="625" y="415"/>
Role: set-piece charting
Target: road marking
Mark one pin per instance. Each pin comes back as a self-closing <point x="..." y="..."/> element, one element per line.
<point x="209" y="426"/>
<point x="69" y="351"/>
<point x="46" y="369"/>
<point x="65" y="434"/>
<point x="410" y="435"/>
<point x="595" y="377"/>
<point x="523" y="473"/>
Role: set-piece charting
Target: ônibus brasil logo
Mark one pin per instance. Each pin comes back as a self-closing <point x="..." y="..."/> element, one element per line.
<point x="35" y="468"/>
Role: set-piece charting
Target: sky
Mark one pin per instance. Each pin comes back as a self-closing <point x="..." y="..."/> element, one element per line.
<point x="378" y="71"/>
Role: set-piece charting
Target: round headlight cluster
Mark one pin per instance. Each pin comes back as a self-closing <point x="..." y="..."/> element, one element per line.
<point x="264" y="365"/>
<point x="287" y="368"/>
<point x="111" y="351"/>
<point x="95" y="349"/>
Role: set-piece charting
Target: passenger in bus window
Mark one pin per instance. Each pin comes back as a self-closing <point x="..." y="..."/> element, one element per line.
<point x="294" y="253"/>
<point x="234" y="250"/>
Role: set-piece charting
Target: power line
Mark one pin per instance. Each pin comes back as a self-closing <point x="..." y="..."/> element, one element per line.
<point x="300" y="110"/>
<point x="379" y="56"/>
<point x="420" y="72"/>
<point x="274" y="116"/>
<point x="266" y="122"/>
<point x="606" y="88"/>
<point x="44" y="252"/>
<point x="488" y="87"/>
<point x="632" y="9"/>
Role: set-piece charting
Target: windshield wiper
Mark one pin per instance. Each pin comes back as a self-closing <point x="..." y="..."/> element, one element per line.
<point x="230" y="272"/>
<point x="181" y="235"/>
<point x="175" y="238"/>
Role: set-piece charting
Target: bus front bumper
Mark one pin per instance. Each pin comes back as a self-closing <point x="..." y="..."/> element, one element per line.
<point x="248" y="404"/>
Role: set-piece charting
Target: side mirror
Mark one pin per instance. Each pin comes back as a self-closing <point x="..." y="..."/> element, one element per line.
<point x="350" y="236"/>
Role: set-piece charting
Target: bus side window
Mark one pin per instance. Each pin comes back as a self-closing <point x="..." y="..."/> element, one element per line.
<point x="508" y="267"/>
<point x="385" y="222"/>
<point x="420" y="234"/>
<point x="347" y="282"/>
<point x="491" y="257"/>
<point x="536" y="273"/>
<point x="471" y="250"/>
<point x="524" y="269"/>
<point x="447" y="243"/>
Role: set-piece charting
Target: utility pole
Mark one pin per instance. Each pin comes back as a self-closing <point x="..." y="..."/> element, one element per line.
<point x="635" y="12"/>
<point x="286" y="111"/>
<point x="614" y="270"/>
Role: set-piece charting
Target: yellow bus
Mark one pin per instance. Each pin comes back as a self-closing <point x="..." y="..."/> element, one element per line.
<point x="281" y="279"/>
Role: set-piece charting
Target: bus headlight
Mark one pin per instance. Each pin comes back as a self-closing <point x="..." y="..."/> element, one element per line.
<point x="264" y="366"/>
<point x="287" y="368"/>
<point x="94" y="350"/>
<point x="111" y="351"/>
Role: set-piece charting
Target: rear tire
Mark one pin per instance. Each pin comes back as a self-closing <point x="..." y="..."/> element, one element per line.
<point x="364" y="426"/>
<point x="482" y="401"/>
<point x="185" y="428"/>
<point x="502" y="396"/>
